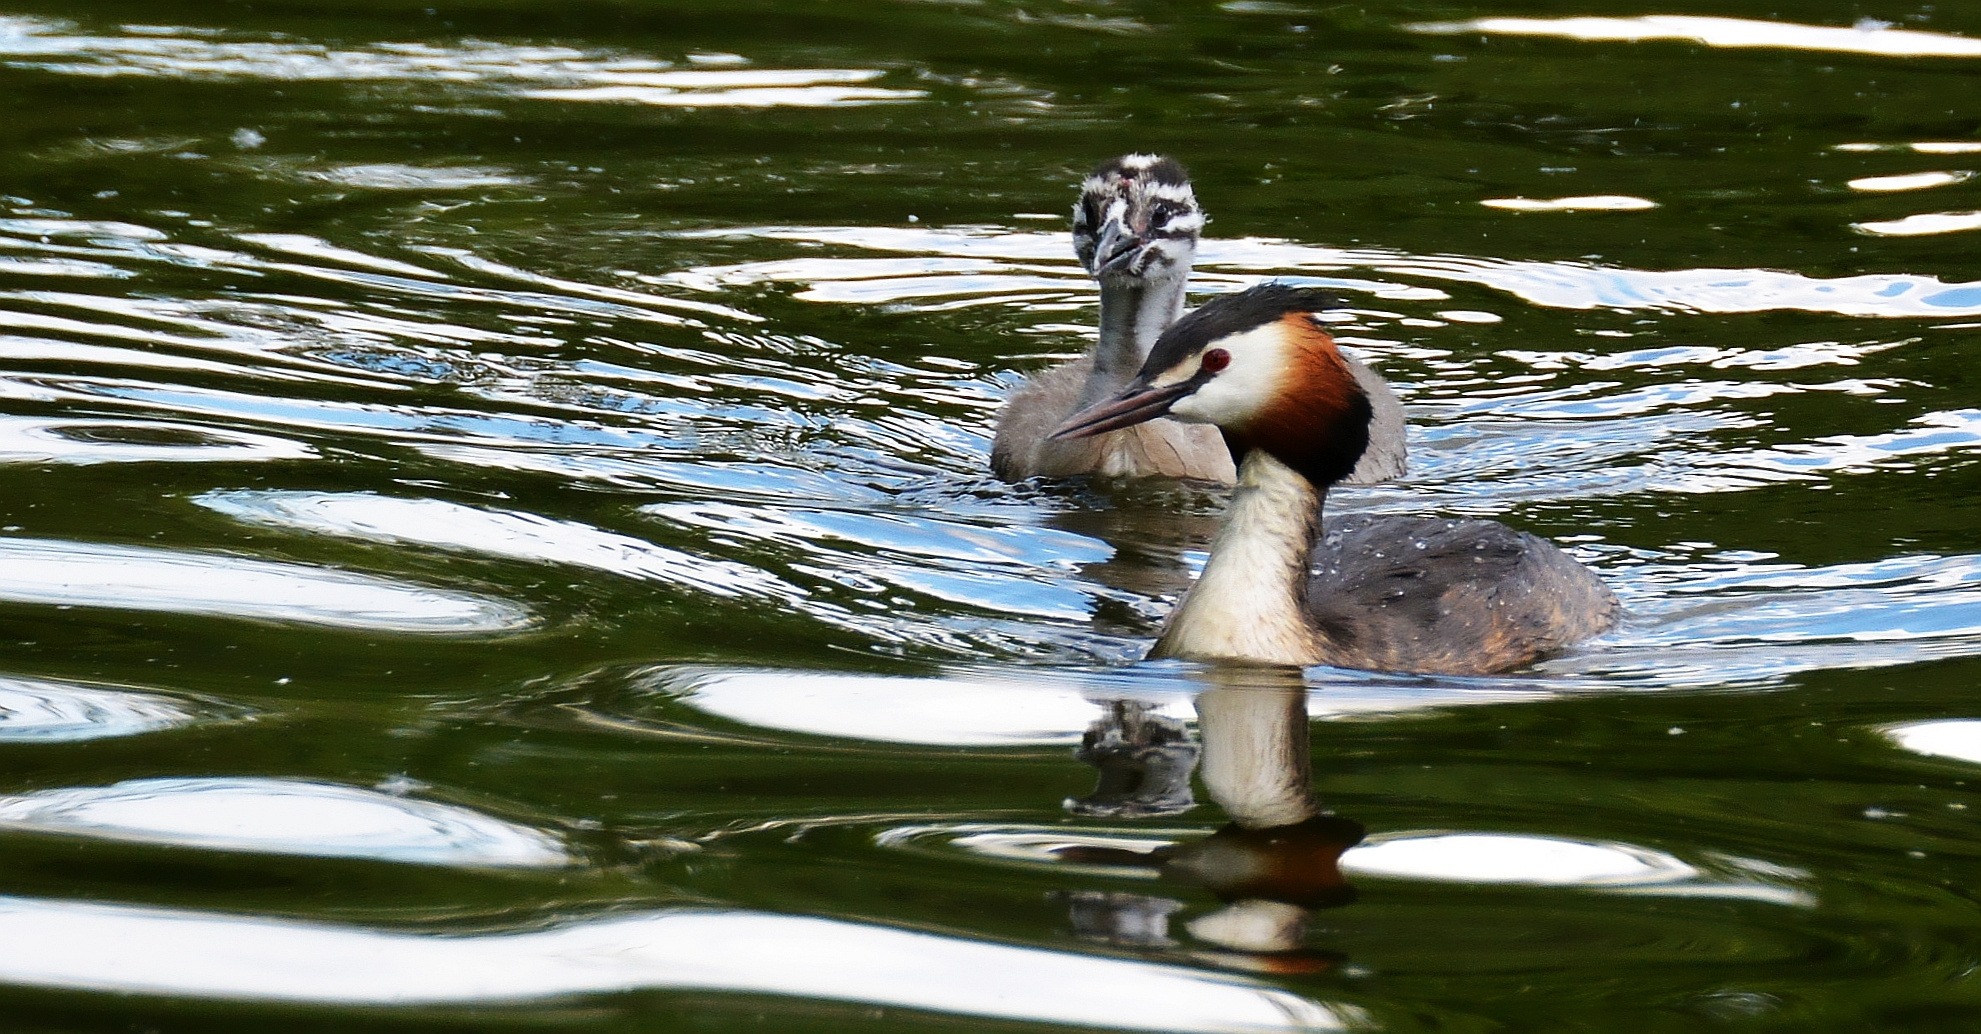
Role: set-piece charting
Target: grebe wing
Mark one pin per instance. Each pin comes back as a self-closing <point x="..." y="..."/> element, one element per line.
<point x="1429" y="594"/>
<point x="1029" y="415"/>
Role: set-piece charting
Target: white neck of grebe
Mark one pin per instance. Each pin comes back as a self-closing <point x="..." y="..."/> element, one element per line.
<point x="1134" y="312"/>
<point x="1257" y="764"/>
<point x="1250" y="602"/>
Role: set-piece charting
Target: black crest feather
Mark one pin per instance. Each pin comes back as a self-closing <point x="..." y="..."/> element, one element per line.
<point x="1231" y="314"/>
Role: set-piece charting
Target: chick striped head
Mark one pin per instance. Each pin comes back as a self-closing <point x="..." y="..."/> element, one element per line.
<point x="1137" y="219"/>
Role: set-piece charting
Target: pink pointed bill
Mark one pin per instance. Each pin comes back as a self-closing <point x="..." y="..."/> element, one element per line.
<point x="1137" y="405"/>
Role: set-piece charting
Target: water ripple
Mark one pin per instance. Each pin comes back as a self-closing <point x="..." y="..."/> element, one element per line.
<point x="1957" y="738"/>
<point x="30" y="440"/>
<point x="500" y="533"/>
<point x="1562" y="285"/>
<point x="134" y="950"/>
<point x="56" y="573"/>
<point x="1443" y="856"/>
<point x="48" y="711"/>
<point x="1866" y="37"/>
<point x="282" y="816"/>
<point x="550" y="73"/>
<point x="1002" y="708"/>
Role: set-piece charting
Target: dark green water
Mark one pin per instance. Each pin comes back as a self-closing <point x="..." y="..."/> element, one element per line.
<point x="497" y="535"/>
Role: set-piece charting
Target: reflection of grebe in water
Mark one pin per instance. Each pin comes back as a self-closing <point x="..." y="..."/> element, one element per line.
<point x="1275" y="862"/>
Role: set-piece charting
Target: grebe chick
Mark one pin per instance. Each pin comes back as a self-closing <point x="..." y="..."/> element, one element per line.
<point x="1381" y="593"/>
<point x="1135" y="230"/>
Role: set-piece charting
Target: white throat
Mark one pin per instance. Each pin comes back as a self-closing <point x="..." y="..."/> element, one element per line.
<point x="1250" y="602"/>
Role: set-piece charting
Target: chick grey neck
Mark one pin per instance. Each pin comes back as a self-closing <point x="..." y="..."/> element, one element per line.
<point x="1134" y="313"/>
<point x="1250" y="602"/>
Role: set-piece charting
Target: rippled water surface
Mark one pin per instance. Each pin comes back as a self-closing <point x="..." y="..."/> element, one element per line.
<point x="496" y="529"/>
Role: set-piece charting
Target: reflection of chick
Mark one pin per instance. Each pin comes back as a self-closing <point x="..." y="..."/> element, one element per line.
<point x="1128" y="920"/>
<point x="1144" y="759"/>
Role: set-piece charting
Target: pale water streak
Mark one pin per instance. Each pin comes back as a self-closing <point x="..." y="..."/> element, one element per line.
<point x="1922" y="225"/>
<point x="135" y="950"/>
<point x="1506" y="858"/>
<point x="498" y="533"/>
<point x="1868" y="36"/>
<point x="534" y="72"/>
<point x="35" y="710"/>
<point x="1587" y="203"/>
<point x="1956" y="738"/>
<point x="1565" y="285"/>
<point x="1909" y="181"/>
<point x="57" y="573"/>
<point x="282" y="816"/>
<point x="1429" y="856"/>
<point x="964" y="562"/>
<point x="84" y="442"/>
<point x="1010" y="709"/>
<point x="1917" y="147"/>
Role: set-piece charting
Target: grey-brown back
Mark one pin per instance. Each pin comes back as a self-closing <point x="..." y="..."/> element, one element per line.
<point x="1023" y="449"/>
<point x="1429" y="594"/>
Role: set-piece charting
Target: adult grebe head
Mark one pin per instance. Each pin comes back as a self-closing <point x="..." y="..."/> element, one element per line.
<point x="1258" y="366"/>
<point x="1137" y="219"/>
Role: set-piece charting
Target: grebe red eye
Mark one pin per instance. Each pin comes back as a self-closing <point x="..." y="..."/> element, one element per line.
<point x="1214" y="360"/>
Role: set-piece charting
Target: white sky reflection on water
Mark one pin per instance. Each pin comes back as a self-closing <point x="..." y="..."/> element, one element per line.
<point x="1909" y="181"/>
<point x="1590" y="203"/>
<point x="49" y="711"/>
<point x="1866" y="37"/>
<point x="85" y="574"/>
<point x="1957" y="738"/>
<point x="500" y="533"/>
<point x="34" y="440"/>
<point x="989" y="710"/>
<point x="1505" y="859"/>
<point x="1917" y="147"/>
<point x="1528" y="860"/>
<point x="534" y="72"/>
<point x="282" y="816"/>
<point x="1923" y="225"/>
<point x="306" y="246"/>
<point x="1932" y="434"/>
<point x="137" y="950"/>
<point x="1562" y="285"/>
<point x="1509" y="858"/>
<point x="931" y="711"/>
<point x="414" y="177"/>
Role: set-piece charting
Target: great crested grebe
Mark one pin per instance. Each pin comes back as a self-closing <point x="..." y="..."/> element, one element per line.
<point x="1135" y="230"/>
<point x="1380" y="593"/>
